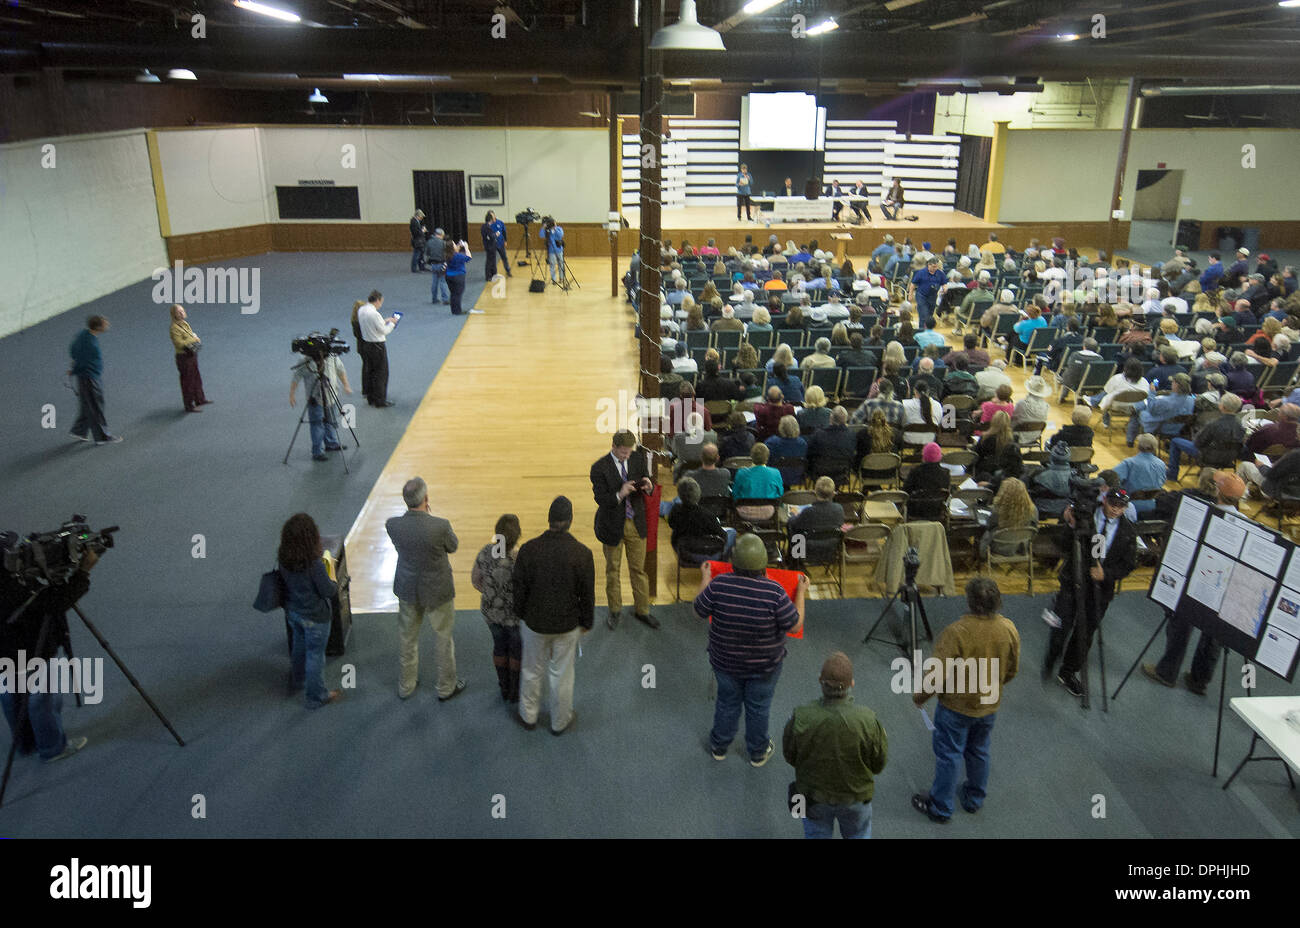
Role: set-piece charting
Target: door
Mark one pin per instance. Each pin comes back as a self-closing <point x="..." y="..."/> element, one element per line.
<point x="441" y="194"/>
<point x="1155" y="208"/>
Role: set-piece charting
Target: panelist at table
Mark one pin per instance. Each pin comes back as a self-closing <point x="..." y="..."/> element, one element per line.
<point x="787" y="189"/>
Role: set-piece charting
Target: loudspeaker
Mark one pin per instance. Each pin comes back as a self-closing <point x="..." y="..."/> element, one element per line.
<point x="537" y="286"/>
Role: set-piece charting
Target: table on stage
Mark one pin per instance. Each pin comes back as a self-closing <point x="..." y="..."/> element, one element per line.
<point x="1266" y="717"/>
<point x="797" y="209"/>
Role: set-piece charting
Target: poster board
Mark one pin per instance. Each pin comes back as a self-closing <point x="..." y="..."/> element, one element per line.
<point x="1235" y="580"/>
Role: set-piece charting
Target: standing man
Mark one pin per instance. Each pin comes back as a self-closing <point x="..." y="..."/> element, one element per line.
<point x="554" y="236"/>
<point x="555" y="597"/>
<point x="743" y="189"/>
<point x="88" y="367"/>
<point x="835" y="748"/>
<point x="187" y="344"/>
<point x="435" y="255"/>
<point x="424" y="589"/>
<point x="320" y="416"/>
<point x="493" y="232"/>
<point x="751" y="616"/>
<point x="963" y="722"/>
<point x="1070" y="615"/>
<point x="620" y="482"/>
<point x="418" y="235"/>
<point x="923" y="292"/>
<point x="373" y="349"/>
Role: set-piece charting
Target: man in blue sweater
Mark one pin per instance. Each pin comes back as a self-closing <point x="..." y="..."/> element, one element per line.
<point x="1212" y="274"/>
<point x="493" y="232"/>
<point x="88" y="367"/>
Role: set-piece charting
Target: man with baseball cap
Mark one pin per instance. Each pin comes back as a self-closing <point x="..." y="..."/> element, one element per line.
<point x="555" y="597"/>
<point x="1238" y="269"/>
<point x="1178" y="632"/>
<point x="835" y="748"/>
<point x="1110" y="555"/>
<point x="750" y="615"/>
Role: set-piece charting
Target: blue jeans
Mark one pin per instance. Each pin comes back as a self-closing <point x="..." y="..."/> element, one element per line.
<point x="417" y="256"/>
<point x="957" y="736"/>
<point x="754" y="694"/>
<point x="45" y="714"/>
<point x="855" y="820"/>
<point x="553" y="262"/>
<point x="307" y="663"/>
<point x="456" y="284"/>
<point x="438" y="289"/>
<point x="323" y="430"/>
<point x="1177" y="448"/>
<point x="923" y="311"/>
<point x="1135" y="426"/>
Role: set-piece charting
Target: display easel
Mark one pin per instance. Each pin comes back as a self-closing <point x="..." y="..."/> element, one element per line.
<point x="1236" y="581"/>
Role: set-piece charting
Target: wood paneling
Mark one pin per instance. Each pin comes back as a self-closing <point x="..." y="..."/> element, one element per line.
<point x="221" y="245"/>
<point x="1272" y="234"/>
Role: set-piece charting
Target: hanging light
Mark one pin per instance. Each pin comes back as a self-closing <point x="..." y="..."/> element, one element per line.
<point x="317" y="97"/>
<point x="181" y="74"/>
<point x="687" y="34"/>
<point x="148" y="77"/>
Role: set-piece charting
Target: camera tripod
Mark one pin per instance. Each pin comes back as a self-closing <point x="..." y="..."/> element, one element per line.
<point x="568" y="280"/>
<point x="527" y="247"/>
<point x="65" y="644"/>
<point x="330" y="405"/>
<point x="911" y="596"/>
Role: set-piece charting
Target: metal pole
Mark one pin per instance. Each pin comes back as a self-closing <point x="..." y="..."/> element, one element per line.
<point x="1112" y="226"/>
<point x="650" y="156"/>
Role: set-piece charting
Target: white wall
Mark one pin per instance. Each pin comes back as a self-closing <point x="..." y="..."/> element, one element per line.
<point x="213" y="179"/>
<point x="1067" y="175"/>
<point x="223" y="178"/>
<point x="77" y="231"/>
<point x="1059" y="106"/>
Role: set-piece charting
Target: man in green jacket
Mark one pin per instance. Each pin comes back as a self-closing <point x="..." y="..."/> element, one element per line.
<point x="836" y="748"/>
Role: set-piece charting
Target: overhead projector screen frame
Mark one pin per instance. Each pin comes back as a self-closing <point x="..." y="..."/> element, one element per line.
<point x="782" y="122"/>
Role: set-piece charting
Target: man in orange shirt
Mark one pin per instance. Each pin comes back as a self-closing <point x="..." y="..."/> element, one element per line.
<point x="777" y="282"/>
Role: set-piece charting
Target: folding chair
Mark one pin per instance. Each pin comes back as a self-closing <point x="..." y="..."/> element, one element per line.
<point x="1020" y="543"/>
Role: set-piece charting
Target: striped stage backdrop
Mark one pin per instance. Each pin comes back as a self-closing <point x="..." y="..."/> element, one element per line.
<point x="702" y="156"/>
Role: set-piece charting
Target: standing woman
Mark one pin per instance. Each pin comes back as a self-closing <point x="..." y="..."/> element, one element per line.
<point x="186" y="344"/>
<point x="308" y="600"/>
<point x="492" y="576"/>
<point x="743" y="187"/>
<point x="456" y="263"/>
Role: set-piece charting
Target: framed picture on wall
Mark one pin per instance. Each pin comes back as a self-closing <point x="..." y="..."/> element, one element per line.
<point x="487" y="190"/>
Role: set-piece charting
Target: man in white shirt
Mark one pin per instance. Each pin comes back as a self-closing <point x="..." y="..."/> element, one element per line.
<point x="373" y="349"/>
<point x="683" y="363"/>
<point x="990" y="379"/>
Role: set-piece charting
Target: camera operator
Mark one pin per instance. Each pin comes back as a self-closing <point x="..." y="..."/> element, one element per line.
<point x="373" y="348"/>
<point x="554" y="236"/>
<point x="38" y="630"/>
<point x="320" y="415"/>
<point x="493" y="233"/>
<point x="1118" y="558"/>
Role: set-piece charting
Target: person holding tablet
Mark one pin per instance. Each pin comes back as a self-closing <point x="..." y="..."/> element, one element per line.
<point x="456" y="264"/>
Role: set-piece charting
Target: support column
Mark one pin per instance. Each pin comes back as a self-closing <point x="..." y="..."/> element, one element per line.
<point x="615" y="184"/>
<point x="997" y="161"/>
<point x="1112" y="224"/>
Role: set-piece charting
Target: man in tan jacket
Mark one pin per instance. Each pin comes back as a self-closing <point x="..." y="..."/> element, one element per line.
<point x="974" y="658"/>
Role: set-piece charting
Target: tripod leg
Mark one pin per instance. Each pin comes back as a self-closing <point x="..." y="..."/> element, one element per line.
<point x="883" y="612"/>
<point x="1218" y="728"/>
<point x="329" y="403"/>
<point x="925" y="619"/>
<point x="1101" y="663"/>
<point x="1147" y="647"/>
<point x="301" y="419"/>
<point x="129" y="676"/>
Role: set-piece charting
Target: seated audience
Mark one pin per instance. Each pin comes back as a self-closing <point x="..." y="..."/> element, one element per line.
<point x="815" y="414"/>
<point x="1225" y="434"/>
<point x="1143" y="471"/>
<point x="789" y="445"/>
<point x="768" y="415"/>
<point x="1078" y="434"/>
<point x="997" y="454"/>
<point x="697" y="535"/>
<point x="1012" y="508"/>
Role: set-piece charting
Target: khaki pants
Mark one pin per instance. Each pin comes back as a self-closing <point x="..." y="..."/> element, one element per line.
<point x="556" y="656"/>
<point x="442" y="619"/>
<point x="1250" y="472"/>
<point x="634" y="545"/>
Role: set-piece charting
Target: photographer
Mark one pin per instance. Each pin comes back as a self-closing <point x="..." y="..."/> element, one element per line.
<point x="493" y="232"/>
<point x="37" y="631"/>
<point x="1118" y="542"/>
<point x="457" y="261"/>
<point x="554" y="236"/>
<point x="320" y="411"/>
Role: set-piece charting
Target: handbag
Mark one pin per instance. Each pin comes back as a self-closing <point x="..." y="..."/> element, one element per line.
<point x="270" y="592"/>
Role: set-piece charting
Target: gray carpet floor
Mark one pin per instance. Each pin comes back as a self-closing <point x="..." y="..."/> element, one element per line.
<point x="635" y="763"/>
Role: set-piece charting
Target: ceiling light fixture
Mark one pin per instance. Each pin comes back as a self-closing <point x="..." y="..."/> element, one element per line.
<point x="266" y="10"/>
<point x="687" y="34"/>
<point x="1068" y="37"/>
<point x="961" y="21"/>
<point x="824" y="27"/>
<point x="754" y="7"/>
<point x="181" y="74"/>
<point x="148" y="77"/>
<point x="317" y="97"/>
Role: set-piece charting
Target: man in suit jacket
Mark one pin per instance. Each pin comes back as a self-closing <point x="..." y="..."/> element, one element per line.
<point x="620" y="482"/>
<point x="418" y="234"/>
<point x="424" y="588"/>
<point x="1118" y="539"/>
<point x="788" y="189"/>
<point x="833" y="189"/>
<point x="555" y="597"/>
<point x="860" y="206"/>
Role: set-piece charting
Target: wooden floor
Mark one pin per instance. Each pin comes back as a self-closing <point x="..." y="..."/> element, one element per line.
<point x="724" y="217"/>
<point x="487" y="444"/>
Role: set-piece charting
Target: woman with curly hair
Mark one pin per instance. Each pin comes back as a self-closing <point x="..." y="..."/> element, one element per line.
<point x="309" y="607"/>
<point x="996" y="454"/>
<point x="1012" y="508"/>
<point x="493" y="576"/>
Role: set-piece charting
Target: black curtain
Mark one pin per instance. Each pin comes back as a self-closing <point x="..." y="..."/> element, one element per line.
<point x="973" y="173"/>
<point x="441" y="194"/>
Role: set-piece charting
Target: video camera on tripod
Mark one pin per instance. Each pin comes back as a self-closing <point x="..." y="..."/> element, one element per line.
<point x="52" y="557"/>
<point x="528" y="216"/>
<point x="318" y="346"/>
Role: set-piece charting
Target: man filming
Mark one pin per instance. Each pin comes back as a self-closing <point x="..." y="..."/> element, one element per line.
<point x="35" y="627"/>
<point x="320" y="405"/>
<point x="554" y="236"/>
<point x="1110" y="555"/>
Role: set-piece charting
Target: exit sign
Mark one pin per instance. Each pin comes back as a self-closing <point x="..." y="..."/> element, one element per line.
<point x="1160" y="165"/>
